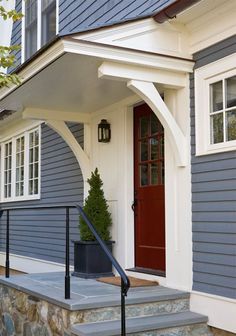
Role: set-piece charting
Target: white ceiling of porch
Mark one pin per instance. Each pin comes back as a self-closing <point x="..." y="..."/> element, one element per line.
<point x="69" y="84"/>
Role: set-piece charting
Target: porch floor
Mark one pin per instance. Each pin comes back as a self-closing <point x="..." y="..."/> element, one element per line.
<point x="85" y="293"/>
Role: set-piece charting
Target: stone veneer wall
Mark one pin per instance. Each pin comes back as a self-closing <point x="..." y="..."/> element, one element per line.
<point x="25" y="315"/>
<point x="22" y="314"/>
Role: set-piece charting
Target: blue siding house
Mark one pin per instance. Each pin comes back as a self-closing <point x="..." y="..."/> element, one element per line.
<point x="162" y="74"/>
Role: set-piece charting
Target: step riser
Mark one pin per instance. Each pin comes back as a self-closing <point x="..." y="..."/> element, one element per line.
<point x="113" y="313"/>
<point x="192" y="330"/>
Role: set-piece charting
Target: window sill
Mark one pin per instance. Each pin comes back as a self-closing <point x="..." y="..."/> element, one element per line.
<point x="20" y="199"/>
<point x="217" y="148"/>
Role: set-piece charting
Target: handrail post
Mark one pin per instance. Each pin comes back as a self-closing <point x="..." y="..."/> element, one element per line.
<point x="67" y="275"/>
<point x="123" y="295"/>
<point x="7" y="263"/>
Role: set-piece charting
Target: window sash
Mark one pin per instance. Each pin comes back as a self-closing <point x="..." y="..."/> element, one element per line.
<point x="39" y="25"/>
<point x="19" y="181"/>
<point x="220" y="129"/>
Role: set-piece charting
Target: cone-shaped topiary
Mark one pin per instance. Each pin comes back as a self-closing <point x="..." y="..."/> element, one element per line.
<point x="96" y="209"/>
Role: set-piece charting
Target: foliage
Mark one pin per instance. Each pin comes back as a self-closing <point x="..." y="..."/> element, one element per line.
<point x="7" y="57"/>
<point x="96" y="209"/>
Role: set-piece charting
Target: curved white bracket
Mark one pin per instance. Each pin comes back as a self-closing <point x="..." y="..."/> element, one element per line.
<point x="61" y="128"/>
<point x="151" y="96"/>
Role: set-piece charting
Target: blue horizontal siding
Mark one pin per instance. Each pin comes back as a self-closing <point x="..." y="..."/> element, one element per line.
<point x="77" y="16"/>
<point x="41" y="233"/>
<point x="213" y="202"/>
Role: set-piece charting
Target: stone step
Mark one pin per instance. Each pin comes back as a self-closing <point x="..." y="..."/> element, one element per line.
<point x="174" y="305"/>
<point x="139" y="302"/>
<point x="184" y="323"/>
<point x="110" y="298"/>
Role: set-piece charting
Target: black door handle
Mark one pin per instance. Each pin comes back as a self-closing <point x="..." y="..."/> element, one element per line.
<point x="134" y="205"/>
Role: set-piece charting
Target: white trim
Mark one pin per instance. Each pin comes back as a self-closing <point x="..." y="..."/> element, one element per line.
<point x="23" y="33"/>
<point x="128" y="56"/>
<point x="221" y="311"/>
<point x="31" y="265"/>
<point x="17" y="128"/>
<point x="39" y="24"/>
<point x="205" y="76"/>
<point x="57" y="17"/>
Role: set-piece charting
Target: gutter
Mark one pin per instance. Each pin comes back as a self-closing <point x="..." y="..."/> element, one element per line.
<point x="172" y="10"/>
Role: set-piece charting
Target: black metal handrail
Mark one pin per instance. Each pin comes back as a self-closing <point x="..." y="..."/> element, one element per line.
<point x="67" y="251"/>
<point x="125" y="283"/>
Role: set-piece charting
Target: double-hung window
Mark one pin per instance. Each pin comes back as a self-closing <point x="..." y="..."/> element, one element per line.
<point x="39" y="25"/>
<point x="223" y="110"/>
<point x="20" y="167"/>
<point x="30" y="28"/>
<point x="215" y="106"/>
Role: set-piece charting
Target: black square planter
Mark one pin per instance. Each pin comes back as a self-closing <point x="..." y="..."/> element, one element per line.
<point x="90" y="261"/>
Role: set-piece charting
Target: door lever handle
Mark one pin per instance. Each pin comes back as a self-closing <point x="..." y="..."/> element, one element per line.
<point x="134" y="205"/>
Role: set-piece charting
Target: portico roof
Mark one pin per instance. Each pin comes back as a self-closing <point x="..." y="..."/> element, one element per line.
<point x="65" y="76"/>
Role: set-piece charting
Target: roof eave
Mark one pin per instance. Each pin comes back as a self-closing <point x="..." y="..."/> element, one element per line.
<point x="172" y="10"/>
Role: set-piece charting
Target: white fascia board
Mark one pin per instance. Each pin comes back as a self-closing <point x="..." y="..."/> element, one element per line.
<point x="128" y="72"/>
<point x="125" y="55"/>
<point x="50" y="55"/>
<point x="40" y="114"/>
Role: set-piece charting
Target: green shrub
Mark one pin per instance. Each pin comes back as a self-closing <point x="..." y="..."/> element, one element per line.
<point x="96" y="209"/>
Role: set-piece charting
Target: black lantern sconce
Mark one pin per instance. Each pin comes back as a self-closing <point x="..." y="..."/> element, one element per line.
<point x="104" y="131"/>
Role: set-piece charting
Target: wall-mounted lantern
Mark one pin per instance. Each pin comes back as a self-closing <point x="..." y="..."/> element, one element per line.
<point x="104" y="131"/>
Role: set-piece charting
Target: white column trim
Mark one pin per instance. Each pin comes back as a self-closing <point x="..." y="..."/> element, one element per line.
<point x="61" y="128"/>
<point x="151" y="96"/>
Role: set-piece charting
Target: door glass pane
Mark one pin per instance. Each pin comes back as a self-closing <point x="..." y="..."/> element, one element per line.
<point x="154" y="124"/>
<point x="154" y="148"/>
<point x="217" y="128"/>
<point x="144" y="126"/>
<point x="143" y="150"/>
<point x="231" y="125"/>
<point x="144" y="175"/>
<point x="216" y="96"/>
<point x="154" y="173"/>
<point x="231" y="92"/>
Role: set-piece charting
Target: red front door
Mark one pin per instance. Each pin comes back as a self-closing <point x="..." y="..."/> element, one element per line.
<point x="149" y="205"/>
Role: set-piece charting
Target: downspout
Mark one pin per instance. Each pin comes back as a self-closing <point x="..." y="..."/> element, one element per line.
<point x="172" y="10"/>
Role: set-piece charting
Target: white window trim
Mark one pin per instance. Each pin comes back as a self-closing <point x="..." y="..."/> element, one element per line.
<point x="211" y="73"/>
<point x="26" y="196"/>
<point x="39" y="26"/>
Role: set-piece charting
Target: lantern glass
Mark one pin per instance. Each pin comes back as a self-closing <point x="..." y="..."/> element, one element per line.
<point x="104" y="131"/>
